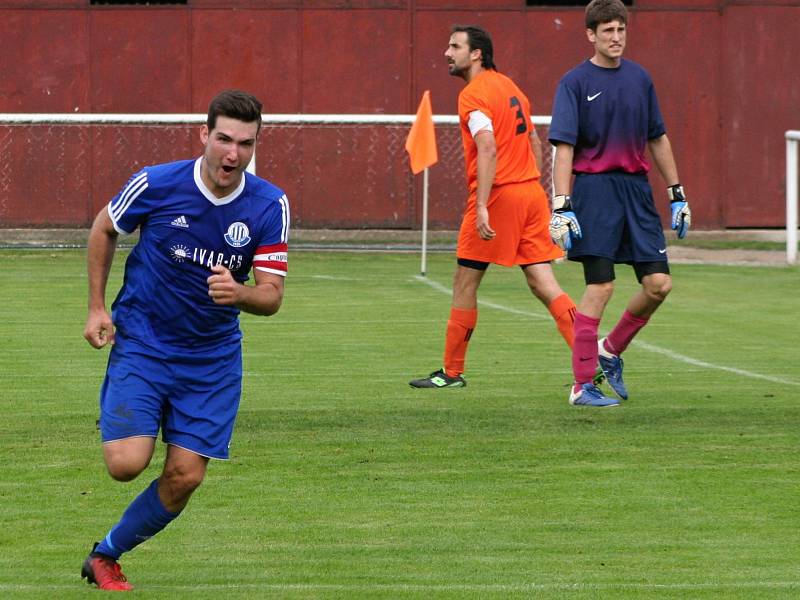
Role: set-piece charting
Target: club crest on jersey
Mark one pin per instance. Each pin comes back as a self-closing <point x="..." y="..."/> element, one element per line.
<point x="238" y="235"/>
<point x="179" y="253"/>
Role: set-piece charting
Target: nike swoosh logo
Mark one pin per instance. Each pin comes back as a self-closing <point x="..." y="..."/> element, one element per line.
<point x="662" y="251"/>
<point x="590" y="98"/>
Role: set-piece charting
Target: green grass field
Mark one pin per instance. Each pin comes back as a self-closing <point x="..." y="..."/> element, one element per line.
<point x="347" y="483"/>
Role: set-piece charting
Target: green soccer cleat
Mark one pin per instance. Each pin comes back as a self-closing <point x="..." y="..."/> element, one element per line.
<point x="438" y="379"/>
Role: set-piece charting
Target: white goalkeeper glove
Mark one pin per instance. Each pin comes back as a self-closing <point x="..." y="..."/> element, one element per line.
<point x="681" y="213"/>
<point x="564" y="224"/>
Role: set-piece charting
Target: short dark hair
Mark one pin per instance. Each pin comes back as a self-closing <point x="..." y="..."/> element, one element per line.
<point x="479" y="39"/>
<point x="235" y="104"/>
<point x="605" y="11"/>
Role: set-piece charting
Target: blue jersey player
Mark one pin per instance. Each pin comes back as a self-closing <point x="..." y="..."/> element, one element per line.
<point x="605" y="116"/>
<point x="175" y="363"/>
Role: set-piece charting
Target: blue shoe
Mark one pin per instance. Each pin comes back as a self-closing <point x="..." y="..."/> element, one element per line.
<point x="589" y="394"/>
<point x="611" y="364"/>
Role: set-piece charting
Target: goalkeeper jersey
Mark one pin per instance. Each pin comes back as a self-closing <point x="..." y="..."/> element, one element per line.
<point x="185" y="230"/>
<point x="608" y="115"/>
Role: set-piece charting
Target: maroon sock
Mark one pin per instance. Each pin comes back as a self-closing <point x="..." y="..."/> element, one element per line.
<point x="624" y="331"/>
<point x="584" y="352"/>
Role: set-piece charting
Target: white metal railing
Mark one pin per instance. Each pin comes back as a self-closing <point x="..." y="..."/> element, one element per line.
<point x="199" y="118"/>
<point x="188" y="118"/>
<point x="792" y="141"/>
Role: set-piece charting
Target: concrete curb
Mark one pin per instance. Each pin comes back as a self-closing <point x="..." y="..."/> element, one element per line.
<point x="438" y="240"/>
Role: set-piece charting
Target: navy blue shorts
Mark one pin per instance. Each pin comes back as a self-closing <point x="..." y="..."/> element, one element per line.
<point x="618" y="219"/>
<point x="193" y="398"/>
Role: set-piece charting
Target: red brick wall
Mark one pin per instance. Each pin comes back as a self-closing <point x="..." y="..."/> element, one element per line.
<point x="724" y="70"/>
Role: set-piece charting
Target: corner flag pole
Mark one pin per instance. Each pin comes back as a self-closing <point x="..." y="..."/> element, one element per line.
<point x="424" y="265"/>
<point x="421" y="148"/>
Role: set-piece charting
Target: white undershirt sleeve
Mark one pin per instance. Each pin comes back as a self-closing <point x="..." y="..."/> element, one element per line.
<point x="478" y="121"/>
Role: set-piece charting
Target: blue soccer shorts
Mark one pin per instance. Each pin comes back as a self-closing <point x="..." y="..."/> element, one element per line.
<point x="192" y="398"/>
<point x="618" y="219"/>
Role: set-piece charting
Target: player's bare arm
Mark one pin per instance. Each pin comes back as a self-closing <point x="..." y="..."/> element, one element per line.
<point x="102" y="244"/>
<point x="661" y="151"/>
<point x="487" y="166"/>
<point x="536" y="146"/>
<point x="564" y="226"/>
<point x="264" y="298"/>
<point x="562" y="169"/>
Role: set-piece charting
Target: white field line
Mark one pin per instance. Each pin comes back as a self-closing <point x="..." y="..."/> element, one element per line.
<point x="433" y="587"/>
<point x="707" y="365"/>
<point x="446" y="290"/>
<point x="643" y="345"/>
<point x="333" y="278"/>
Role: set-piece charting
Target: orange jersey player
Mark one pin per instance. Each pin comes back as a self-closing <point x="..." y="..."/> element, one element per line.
<point x="506" y="221"/>
<point x="491" y="103"/>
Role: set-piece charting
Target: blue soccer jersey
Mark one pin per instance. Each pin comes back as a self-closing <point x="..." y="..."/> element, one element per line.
<point x="608" y="115"/>
<point x="184" y="231"/>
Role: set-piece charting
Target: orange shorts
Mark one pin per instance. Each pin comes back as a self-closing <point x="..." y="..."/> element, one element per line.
<point x="519" y="213"/>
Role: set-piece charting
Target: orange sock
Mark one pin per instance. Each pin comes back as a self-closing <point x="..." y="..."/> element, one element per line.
<point x="563" y="311"/>
<point x="459" y="329"/>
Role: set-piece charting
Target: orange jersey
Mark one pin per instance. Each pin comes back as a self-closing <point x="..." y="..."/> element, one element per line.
<point x="499" y="98"/>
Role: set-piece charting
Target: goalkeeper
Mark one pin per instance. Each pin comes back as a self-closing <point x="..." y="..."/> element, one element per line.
<point x="605" y="116"/>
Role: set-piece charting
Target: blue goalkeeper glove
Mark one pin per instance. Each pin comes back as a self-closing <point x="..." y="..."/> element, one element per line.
<point x="681" y="213"/>
<point x="564" y="224"/>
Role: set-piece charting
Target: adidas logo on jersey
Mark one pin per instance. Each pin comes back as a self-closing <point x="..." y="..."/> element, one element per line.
<point x="180" y="222"/>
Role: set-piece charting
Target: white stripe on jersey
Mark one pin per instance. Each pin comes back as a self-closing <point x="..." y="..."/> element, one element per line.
<point x="275" y="271"/>
<point x="127" y="196"/>
<point x="284" y="201"/>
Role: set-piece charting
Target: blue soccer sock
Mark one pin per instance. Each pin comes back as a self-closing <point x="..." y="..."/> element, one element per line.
<point x="143" y="518"/>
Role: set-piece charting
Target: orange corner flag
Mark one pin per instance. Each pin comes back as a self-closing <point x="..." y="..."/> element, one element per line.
<point x="421" y="141"/>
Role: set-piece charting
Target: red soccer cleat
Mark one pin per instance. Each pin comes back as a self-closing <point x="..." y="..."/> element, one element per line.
<point x="105" y="572"/>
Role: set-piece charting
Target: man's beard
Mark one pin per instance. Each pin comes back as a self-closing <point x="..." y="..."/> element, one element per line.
<point x="456" y="71"/>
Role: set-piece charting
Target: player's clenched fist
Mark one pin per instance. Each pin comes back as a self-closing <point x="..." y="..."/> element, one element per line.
<point x="99" y="329"/>
<point x="222" y="287"/>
